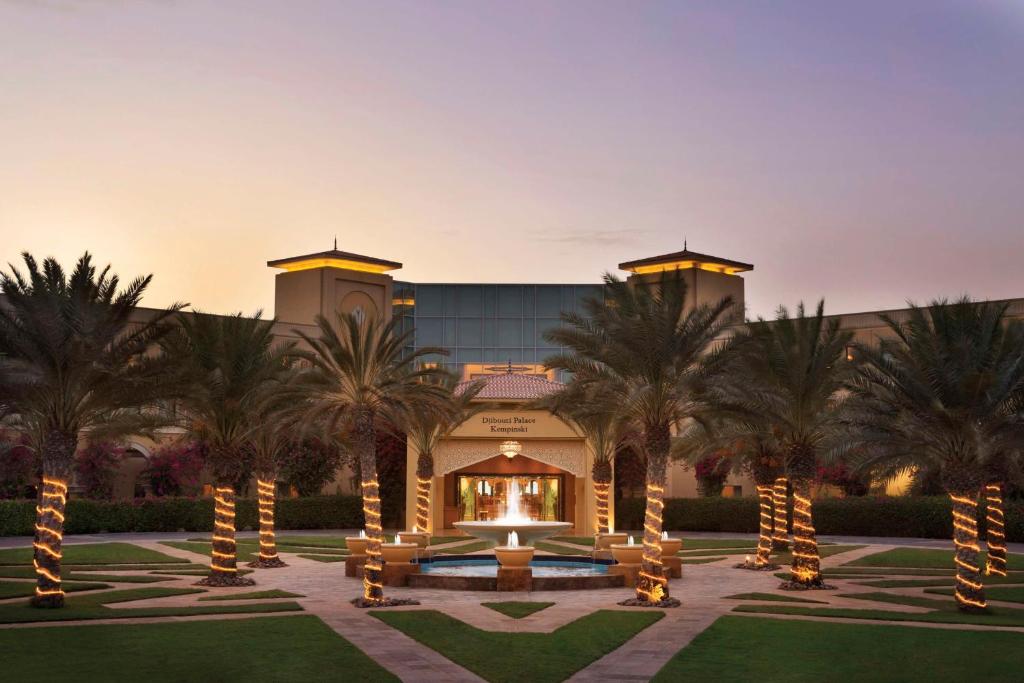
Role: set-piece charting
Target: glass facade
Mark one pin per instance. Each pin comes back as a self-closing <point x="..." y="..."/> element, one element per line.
<point x="480" y="323"/>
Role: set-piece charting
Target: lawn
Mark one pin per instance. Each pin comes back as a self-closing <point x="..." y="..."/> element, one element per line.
<point x="24" y="589"/>
<point x="324" y="558"/>
<point x="94" y="554"/>
<point x="291" y="648"/>
<point x="94" y="606"/>
<point x="69" y="575"/>
<point x="944" y="611"/>
<point x="823" y="551"/>
<point x="246" y="553"/>
<point x="771" y="597"/>
<point x="1004" y="593"/>
<point x="918" y="558"/>
<point x="578" y="540"/>
<point x="752" y="649"/>
<point x="466" y="548"/>
<point x="531" y="657"/>
<point x="517" y="609"/>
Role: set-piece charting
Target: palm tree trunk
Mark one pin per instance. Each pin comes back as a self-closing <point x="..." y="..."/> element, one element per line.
<point x="266" y="486"/>
<point x="424" y="481"/>
<point x="780" y="533"/>
<point x="224" y="555"/>
<point x="806" y="569"/>
<point x="601" y="476"/>
<point x="58" y="452"/>
<point x="365" y="442"/>
<point x="995" y="530"/>
<point x="970" y="593"/>
<point x="764" y="542"/>
<point x="652" y="585"/>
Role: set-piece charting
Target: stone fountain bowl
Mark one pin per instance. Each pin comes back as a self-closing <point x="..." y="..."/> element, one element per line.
<point x="398" y="553"/>
<point x="671" y="546"/>
<point x="514" y="557"/>
<point x="604" y="541"/>
<point x="497" y="531"/>
<point x="627" y="554"/>
<point x="420" y="538"/>
<point x="356" y="545"/>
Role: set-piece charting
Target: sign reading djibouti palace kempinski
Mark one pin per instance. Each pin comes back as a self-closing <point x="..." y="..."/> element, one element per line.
<point x="508" y="425"/>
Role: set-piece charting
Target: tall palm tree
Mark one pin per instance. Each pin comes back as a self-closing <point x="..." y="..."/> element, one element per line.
<point x="75" y="358"/>
<point x="267" y="442"/>
<point x="641" y="345"/>
<point x="794" y="370"/>
<point x="604" y="425"/>
<point x="359" y="376"/>
<point x="948" y="398"/>
<point x="427" y="424"/>
<point x="230" y="363"/>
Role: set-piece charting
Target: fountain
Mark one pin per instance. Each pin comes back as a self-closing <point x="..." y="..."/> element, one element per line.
<point x="528" y="531"/>
<point x="512" y="554"/>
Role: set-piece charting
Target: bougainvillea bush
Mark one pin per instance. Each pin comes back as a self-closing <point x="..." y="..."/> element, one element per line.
<point x="95" y="469"/>
<point x="17" y="467"/>
<point x="309" y="465"/>
<point x="174" y="470"/>
<point x="711" y="473"/>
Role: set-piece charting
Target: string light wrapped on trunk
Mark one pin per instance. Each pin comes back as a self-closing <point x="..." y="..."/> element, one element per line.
<point x="423" y="503"/>
<point x="49" y="537"/>
<point x="653" y="586"/>
<point x="764" y="542"/>
<point x="224" y="523"/>
<point x="995" y="531"/>
<point x="373" y="585"/>
<point x="969" y="589"/>
<point x="601" y="492"/>
<point x="806" y="568"/>
<point x="267" y="558"/>
<point x="780" y="535"/>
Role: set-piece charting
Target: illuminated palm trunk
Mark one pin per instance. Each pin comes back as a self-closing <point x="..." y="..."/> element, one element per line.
<point x="780" y="533"/>
<point x="602" y="478"/>
<point x="424" y="481"/>
<point x="224" y="555"/>
<point x="365" y="441"/>
<point x="58" y="453"/>
<point x="652" y="585"/>
<point x="970" y="593"/>
<point x="764" y="542"/>
<point x="995" y="531"/>
<point x="806" y="569"/>
<point x="266" y="492"/>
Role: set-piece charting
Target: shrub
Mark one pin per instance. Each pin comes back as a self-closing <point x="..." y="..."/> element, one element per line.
<point x="17" y="466"/>
<point x="95" y="469"/>
<point x="174" y="470"/>
<point x="309" y="465"/>
<point x="17" y="518"/>
<point x="896" y="516"/>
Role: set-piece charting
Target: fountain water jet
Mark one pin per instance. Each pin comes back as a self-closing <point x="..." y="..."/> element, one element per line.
<point x="527" y="531"/>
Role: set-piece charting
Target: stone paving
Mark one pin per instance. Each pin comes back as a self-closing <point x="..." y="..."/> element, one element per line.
<point x="703" y="591"/>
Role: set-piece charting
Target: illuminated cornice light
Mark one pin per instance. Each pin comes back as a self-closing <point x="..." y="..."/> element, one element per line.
<point x="510" y="449"/>
<point x="333" y="258"/>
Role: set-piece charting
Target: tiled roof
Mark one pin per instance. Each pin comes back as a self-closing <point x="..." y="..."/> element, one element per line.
<point x="512" y="386"/>
<point x="683" y="256"/>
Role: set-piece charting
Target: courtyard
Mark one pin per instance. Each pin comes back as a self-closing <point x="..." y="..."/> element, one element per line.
<point x="133" y="611"/>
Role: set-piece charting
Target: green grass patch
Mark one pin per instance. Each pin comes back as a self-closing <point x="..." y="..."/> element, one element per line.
<point x="254" y="595"/>
<point x="246" y="553"/>
<point x="93" y="553"/>
<point x="823" y="551"/>
<point x="917" y="558"/>
<point x="517" y="609"/>
<point x="904" y="583"/>
<point x="717" y="551"/>
<point x="437" y="540"/>
<point x="944" y="611"/>
<point x="94" y="606"/>
<point x="323" y="558"/>
<point x="234" y="650"/>
<point x="200" y="570"/>
<point x="466" y="548"/>
<point x="286" y="544"/>
<point x="69" y="575"/>
<point x="701" y="560"/>
<point x="24" y="589"/>
<point x="163" y="566"/>
<point x="559" y="549"/>
<point x="806" y="652"/>
<point x="773" y="597"/>
<point x="522" y="656"/>
<point x="578" y="540"/>
<point x="1004" y="593"/>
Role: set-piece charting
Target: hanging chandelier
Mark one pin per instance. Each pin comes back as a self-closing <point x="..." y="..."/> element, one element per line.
<point x="510" y="449"/>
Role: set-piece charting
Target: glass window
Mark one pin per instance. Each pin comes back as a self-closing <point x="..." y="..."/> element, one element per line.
<point x="510" y="300"/>
<point x="543" y="325"/>
<point x="549" y="300"/>
<point x="529" y="331"/>
<point x="490" y="356"/>
<point x="490" y="300"/>
<point x="514" y="355"/>
<point x="529" y="300"/>
<point x="587" y="292"/>
<point x="470" y="333"/>
<point x="429" y="300"/>
<point x="510" y="332"/>
<point x="490" y="332"/>
<point x="471" y="300"/>
<point x="449" y="333"/>
<point x="429" y="332"/>
<point x="544" y="354"/>
<point x="470" y="355"/>
<point x="449" y="301"/>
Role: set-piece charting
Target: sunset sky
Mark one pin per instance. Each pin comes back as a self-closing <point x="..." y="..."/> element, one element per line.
<point x="867" y="152"/>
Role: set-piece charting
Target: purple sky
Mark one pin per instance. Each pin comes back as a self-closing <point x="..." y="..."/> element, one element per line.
<point x="868" y="153"/>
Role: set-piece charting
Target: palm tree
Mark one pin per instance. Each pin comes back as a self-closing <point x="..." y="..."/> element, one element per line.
<point x="793" y="371"/>
<point x="606" y="428"/>
<point x="75" y="358"/>
<point x="427" y="424"/>
<point x="268" y="440"/>
<point x="359" y="376"/>
<point x="230" y="364"/>
<point x="948" y="398"/>
<point x="640" y="345"/>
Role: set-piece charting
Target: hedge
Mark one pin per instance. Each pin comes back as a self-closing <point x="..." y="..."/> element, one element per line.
<point x="902" y="516"/>
<point x="17" y="518"/>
